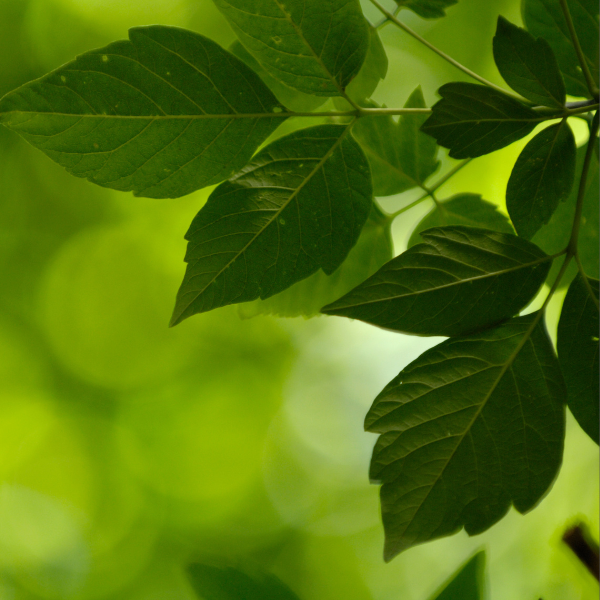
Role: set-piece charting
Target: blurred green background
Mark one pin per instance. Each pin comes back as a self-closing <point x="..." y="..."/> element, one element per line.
<point x="128" y="449"/>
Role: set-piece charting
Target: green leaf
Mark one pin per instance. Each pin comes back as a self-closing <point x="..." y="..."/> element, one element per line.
<point x="471" y="426"/>
<point x="528" y="65"/>
<point x="471" y="120"/>
<point x="400" y="155"/>
<point x="293" y="99"/>
<point x="460" y="280"/>
<point x="463" y="209"/>
<point x="298" y="206"/>
<point x="577" y="342"/>
<point x="544" y="18"/>
<point x="305" y="298"/>
<point x="163" y="114"/>
<point x="428" y="9"/>
<point x="313" y="46"/>
<point x="541" y="178"/>
<point x="226" y="583"/>
<point x="553" y="237"/>
<point x="468" y="583"/>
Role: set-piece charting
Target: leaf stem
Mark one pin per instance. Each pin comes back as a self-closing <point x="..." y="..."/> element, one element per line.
<point x="580" y="55"/>
<point x="455" y="63"/>
<point x="440" y="182"/>
<point x="392" y="216"/>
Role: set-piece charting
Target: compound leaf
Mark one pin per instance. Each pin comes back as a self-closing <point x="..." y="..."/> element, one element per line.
<point x="401" y="156"/>
<point x="373" y="70"/>
<point x="298" y="206"/>
<point x="468" y="583"/>
<point x="541" y="178"/>
<point x="577" y="343"/>
<point x="544" y="18"/>
<point x="305" y="298"/>
<point x="428" y="9"/>
<point x="471" y="426"/>
<point x="293" y="99"/>
<point x="528" y="65"/>
<point x="226" y="583"/>
<point x="460" y="280"/>
<point x="162" y="114"/>
<point x="315" y="46"/>
<point x="471" y="120"/>
<point x="462" y="209"/>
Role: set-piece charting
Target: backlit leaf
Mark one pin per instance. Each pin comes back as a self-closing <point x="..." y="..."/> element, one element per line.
<point x="471" y="120"/>
<point x="400" y="155"/>
<point x="460" y="280"/>
<point x="468" y="583"/>
<point x="374" y="69"/>
<point x="544" y="18"/>
<point x="472" y="426"/>
<point x="463" y="209"/>
<point x="307" y="297"/>
<point x="541" y="178"/>
<point x="528" y="65"/>
<point x="226" y="583"/>
<point x="428" y="9"/>
<point x="315" y="46"/>
<point x="298" y="206"/>
<point x="163" y="114"/>
<point x="577" y="342"/>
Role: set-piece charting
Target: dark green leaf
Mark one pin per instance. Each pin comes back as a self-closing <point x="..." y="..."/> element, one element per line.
<point x="553" y="237"/>
<point x="541" y="178"/>
<point x="577" y="342"/>
<point x="163" y="114"/>
<point x="471" y="426"/>
<point x="463" y="209"/>
<point x="313" y="46"/>
<point x="305" y="298"/>
<point x="468" y="583"/>
<point x="472" y="120"/>
<point x="528" y="65"/>
<point x="298" y="206"/>
<point x="544" y="18"/>
<point x="428" y="9"/>
<point x="400" y="155"/>
<point x="227" y="583"/>
<point x="293" y="99"/>
<point x="460" y="280"/>
<point x="374" y="69"/>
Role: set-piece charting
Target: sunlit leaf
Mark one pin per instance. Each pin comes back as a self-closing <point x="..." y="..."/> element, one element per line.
<point x="428" y="9"/>
<point x="298" y="206"/>
<point x="544" y="18"/>
<point x="463" y="209"/>
<point x="313" y="46"/>
<point x="162" y="115"/>
<point x="374" y="69"/>
<point x="468" y="583"/>
<point x="400" y="155"/>
<point x="528" y="65"/>
<point x="471" y="120"/>
<point x="293" y="99"/>
<point x="553" y="237"/>
<point x="307" y="297"/>
<point x="226" y="583"/>
<point x="469" y="428"/>
<point x="460" y="280"/>
<point x="577" y="342"/>
<point x="541" y="178"/>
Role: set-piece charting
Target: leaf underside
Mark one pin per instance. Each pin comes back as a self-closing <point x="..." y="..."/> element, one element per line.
<point x="315" y="46"/>
<point x="298" y="206"/>
<point x="577" y="343"/>
<point x="460" y="280"/>
<point x="471" y="426"/>
<point x="163" y="114"/>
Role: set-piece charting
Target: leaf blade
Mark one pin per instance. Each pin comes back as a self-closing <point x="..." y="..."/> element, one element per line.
<point x="298" y="206"/>
<point x="468" y="583"/>
<point x="427" y="9"/>
<point x="460" y="280"/>
<point x="147" y="114"/>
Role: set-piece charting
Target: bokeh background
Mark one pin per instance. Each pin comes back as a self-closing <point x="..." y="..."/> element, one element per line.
<point x="128" y="449"/>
